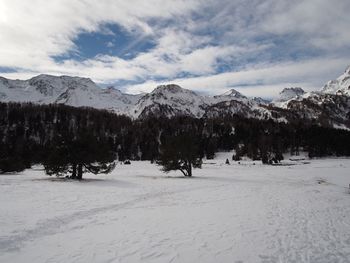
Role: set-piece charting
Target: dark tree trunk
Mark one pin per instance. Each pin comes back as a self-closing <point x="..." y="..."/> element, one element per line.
<point x="189" y="170"/>
<point x="74" y="171"/>
<point x="80" y="171"/>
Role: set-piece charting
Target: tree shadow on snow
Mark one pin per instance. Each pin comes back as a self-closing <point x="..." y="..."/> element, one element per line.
<point x="168" y="177"/>
<point x="89" y="181"/>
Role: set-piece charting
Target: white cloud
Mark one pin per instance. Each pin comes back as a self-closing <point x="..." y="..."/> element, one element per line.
<point x="263" y="80"/>
<point x="193" y="37"/>
<point x="34" y="31"/>
<point x="110" y="44"/>
<point x="322" y="23"/>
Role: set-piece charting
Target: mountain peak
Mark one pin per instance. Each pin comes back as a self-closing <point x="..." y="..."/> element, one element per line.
<point x="60" y="79"/>
<point x="261" y="101"/>
<point x="347" y="71"/>
<point x="290" y="93"/>
<point x="232" y="93"/>
<point x="165" y="100"/>
<point x="172" y="88"/>
<point x="170" y="100"/>
<point x="339" y="86"/>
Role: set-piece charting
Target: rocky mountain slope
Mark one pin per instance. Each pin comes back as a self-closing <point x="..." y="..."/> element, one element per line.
<point x="171" y="100"/>
<point x="286" y="95"/>
<point x="73" y="91"/>
<point x="329" y="106"/>
<point x="340" y="86"/>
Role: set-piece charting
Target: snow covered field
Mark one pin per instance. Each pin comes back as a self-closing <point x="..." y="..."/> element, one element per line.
<point x="227" y="213"/>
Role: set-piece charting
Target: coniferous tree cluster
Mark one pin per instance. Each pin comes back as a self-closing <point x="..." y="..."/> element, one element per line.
<point x="70" y="141"/>
<point x="66" y="140"/>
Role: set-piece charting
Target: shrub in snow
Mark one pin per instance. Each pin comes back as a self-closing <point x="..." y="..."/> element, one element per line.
<point x="180" y="152"/>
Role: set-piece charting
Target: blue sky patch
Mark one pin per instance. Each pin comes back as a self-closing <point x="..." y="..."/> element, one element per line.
<point x="7" y="70"/>
<point x="110" y="40"/>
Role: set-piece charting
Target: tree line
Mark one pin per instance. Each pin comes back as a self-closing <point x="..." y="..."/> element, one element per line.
<point x="70" y="141"/>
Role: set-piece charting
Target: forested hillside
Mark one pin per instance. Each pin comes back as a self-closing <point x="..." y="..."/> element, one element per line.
<point x="69" y="140"/>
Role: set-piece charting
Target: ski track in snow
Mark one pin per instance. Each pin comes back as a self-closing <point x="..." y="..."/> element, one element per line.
<point x="51" y="226"/>
<point x="226" y="214"/>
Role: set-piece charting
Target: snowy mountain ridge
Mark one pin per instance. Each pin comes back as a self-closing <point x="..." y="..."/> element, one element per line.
<point x="166" y="100"/>
<point x="290" y="93"/>
<point x="173" y="100"/>
<point x="339" y="86"/>
<point x="73" y="91"/>
<point x="332" y="102"/>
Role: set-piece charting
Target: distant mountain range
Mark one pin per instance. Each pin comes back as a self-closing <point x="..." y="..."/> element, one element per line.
<point x="328" y="107"/>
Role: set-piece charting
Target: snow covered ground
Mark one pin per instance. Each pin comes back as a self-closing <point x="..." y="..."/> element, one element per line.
<point x="226" y="213"/>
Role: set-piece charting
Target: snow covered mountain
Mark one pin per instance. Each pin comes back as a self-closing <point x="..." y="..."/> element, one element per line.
<point x="73" y="91"/>
<point x="330" y="106"/>
<point x="339" y="86"/>
<point x="325" y="109"/>
<point x="165" y="100"/>
<point x="233" y="102"/>
<point x="171" y="100"/>
<point x="289" y="93"/>
<point x="232" y="94"/>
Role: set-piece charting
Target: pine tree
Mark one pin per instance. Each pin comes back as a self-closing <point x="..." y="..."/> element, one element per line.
<point x="85" y="153"/>
<point x="180" y="152"/>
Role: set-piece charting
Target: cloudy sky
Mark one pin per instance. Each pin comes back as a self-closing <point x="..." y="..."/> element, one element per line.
<point x="255" y="46"/>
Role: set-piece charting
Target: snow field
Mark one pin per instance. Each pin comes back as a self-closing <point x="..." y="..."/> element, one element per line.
<point x="226" y="213"/>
